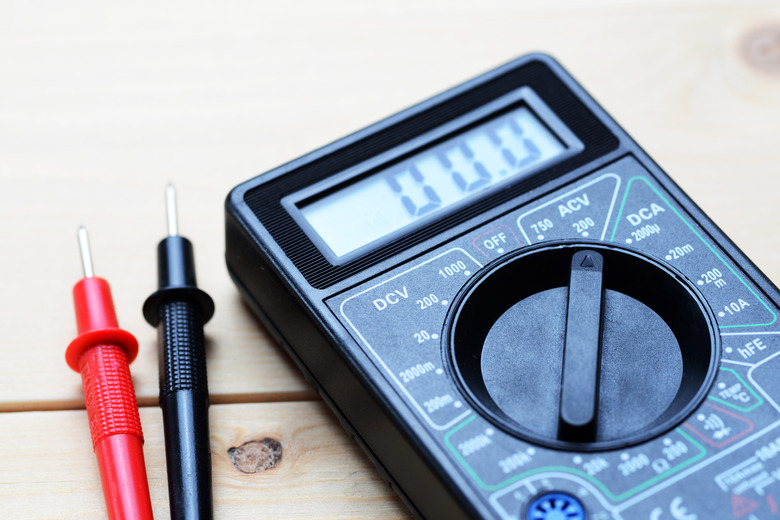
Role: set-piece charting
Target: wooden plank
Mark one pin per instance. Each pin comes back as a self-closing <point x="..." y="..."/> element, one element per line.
<point x="49" y="470"/>
<point x="100" y="109"/>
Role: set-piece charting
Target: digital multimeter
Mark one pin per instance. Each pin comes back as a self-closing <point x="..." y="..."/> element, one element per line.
<point x="517" y="313"/>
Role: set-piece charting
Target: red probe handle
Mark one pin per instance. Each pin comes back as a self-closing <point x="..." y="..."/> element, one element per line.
<point x="116" y="431"/>
<point x="109" y="393"/>
<point x="102" y="353"/>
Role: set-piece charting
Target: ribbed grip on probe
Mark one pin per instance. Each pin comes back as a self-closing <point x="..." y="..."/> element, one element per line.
<point x="109" y="393"/>
<point x="182" y="348"/>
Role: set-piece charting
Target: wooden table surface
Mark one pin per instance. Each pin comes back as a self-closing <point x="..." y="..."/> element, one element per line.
<point x="102" y="104"/>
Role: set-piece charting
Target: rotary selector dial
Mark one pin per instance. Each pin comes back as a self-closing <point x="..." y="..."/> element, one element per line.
<point x="583" y="346"/>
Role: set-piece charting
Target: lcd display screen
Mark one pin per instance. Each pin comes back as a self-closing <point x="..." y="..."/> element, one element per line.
<point x="435" y="180"/>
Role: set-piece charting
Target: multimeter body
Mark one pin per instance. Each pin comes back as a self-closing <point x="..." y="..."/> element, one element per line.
<point x="566" y="334"/>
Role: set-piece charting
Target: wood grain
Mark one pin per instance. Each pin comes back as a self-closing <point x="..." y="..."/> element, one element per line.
<point x="103" y="104"/>
<point x="321" y="472"/>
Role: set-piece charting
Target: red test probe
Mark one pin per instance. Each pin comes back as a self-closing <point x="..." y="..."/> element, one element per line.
<point x="102" y="353"/>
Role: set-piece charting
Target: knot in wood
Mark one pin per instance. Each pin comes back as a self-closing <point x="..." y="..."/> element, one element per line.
<point x="256" y="455"/>
<point x="761" y="48"/>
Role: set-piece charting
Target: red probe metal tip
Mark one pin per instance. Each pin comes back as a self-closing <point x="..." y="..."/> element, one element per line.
<point x="102" y="353"/>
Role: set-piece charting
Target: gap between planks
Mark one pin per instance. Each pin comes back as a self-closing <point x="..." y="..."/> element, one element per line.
<point x="265" y="397"/>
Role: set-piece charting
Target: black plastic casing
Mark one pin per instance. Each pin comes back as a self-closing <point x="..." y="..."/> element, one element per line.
<point x="286" y="281"/>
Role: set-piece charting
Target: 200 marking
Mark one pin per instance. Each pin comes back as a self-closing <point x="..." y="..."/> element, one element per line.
<point x="583" y="224"/>
<point x="427" y="301"/>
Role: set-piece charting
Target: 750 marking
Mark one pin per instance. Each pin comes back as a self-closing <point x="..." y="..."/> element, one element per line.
<point x="542" y="226"/>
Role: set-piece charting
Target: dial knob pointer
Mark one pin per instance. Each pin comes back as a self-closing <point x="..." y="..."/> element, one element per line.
<point x="582" y="349"/>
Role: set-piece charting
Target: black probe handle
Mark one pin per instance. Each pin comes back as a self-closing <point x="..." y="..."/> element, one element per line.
<point x="184" y="399"/>
<point x="179" y="310"/>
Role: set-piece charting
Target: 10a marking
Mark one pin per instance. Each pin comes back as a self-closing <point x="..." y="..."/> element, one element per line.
<point x="733" y="307"/>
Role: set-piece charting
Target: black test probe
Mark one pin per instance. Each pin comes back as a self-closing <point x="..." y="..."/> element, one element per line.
<point x="179" y="310"/>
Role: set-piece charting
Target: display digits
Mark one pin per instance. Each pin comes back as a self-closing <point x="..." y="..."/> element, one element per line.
<point x="481" y="177"/>
<point x="532" y="152"/>
<point x="459" y="164"/>
<point x="432" y="200"/>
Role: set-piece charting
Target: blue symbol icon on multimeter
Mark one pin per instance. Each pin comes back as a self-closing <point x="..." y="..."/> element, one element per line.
<point x="555" y="506"/>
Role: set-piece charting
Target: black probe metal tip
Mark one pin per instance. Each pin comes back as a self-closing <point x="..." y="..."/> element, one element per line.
<point x="176" y="271"/>
<point x="179" y="310"/>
